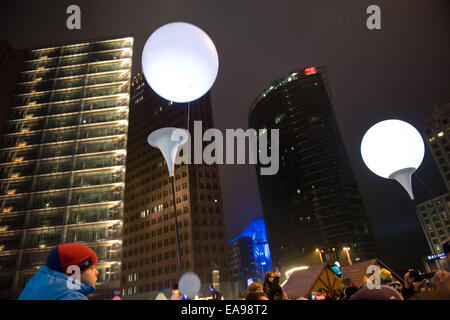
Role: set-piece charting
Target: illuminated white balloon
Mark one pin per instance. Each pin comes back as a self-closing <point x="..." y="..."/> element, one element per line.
<point x="189" y="284"/>
<point x="180" y="62"/>
<point x="393" y="149"/>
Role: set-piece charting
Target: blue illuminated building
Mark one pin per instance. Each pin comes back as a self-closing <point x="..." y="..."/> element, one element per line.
<point x="253" y="260"/>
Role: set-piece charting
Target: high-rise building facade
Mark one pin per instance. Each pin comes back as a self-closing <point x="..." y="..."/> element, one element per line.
<point x="434" y="217"/>
<point x="434" y="214"/>
<point x="313" y="202"/>
<point x="437" y="137"/>
<point x="249" y="256"/>
<point x="62" y="160"/>
<point x="242" y="265"/>
<point x="11" y="63"/>
<point x="150" y="252"/>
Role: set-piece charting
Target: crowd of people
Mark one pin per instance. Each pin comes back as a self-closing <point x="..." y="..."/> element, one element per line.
<point x="435" y="288"/>
<point x="53" y="282"/>
<point x="416" y="286"/>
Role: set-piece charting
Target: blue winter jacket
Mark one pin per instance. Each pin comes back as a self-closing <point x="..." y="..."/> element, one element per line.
<point x="48" y="284"/>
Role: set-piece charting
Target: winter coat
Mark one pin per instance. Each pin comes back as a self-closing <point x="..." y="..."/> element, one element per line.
<point x="48" y="284"/>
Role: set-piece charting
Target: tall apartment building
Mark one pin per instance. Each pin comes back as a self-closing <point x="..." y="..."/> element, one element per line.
<point x="150" y="254"/>
<point x="313" y="202"/>
<point x="437" y="137"/>
<point x="11" y="63"/>
<point x="434" y="217"/>
<point x="62" y="160"/>
<point x="434" y="214"/>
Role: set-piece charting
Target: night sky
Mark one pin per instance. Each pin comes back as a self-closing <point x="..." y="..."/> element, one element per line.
<point x="398" y="72"/>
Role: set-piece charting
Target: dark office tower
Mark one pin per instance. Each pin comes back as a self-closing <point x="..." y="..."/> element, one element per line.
<point x="313" y="202"/>
<point x="11" y="63"/>
<point x="150" y="252"/>
<point x="62" y="160"/>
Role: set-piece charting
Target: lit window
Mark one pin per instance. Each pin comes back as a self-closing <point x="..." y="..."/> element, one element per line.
<point x="440" y="134"/>
<point x="431" y="139"/>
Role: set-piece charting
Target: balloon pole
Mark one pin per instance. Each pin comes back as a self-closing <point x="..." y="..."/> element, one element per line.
<point x="180" y="266"/>
<point x="403" y="177"/>
<point x="188" y="109"/>
<point x="162" y="139"/>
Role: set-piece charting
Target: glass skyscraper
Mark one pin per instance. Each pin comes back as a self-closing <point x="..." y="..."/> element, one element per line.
<point x="62" y="160"/>
<point x="313" y="202"/>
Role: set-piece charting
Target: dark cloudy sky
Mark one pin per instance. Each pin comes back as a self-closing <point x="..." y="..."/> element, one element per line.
<point x="398" y="72"/>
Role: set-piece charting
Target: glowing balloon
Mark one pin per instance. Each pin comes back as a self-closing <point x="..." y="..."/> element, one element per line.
<point x="180" y="62"/>
<point x="189" y="284"/>
<point x="393" y="149"/>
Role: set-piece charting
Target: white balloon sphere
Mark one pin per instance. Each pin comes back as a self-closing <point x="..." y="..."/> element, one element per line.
<point x="390" y="146"/>
<point x="180" y="62"/>
<point x="189" y="284"/>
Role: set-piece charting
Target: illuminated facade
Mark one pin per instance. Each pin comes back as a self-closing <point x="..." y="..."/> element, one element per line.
<point x="249" y="256"/>
<point x="62" y="160"/>
<point x="313" y="201"/>
<point x="11" y="63"/>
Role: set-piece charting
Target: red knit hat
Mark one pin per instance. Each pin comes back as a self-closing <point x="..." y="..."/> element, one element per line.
<point x="68" y="254"/>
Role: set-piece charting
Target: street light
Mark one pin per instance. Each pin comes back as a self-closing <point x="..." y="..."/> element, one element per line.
<point x="347" y="249"/>
<point x="320" y="254"/>
<point x="393" y="149"/>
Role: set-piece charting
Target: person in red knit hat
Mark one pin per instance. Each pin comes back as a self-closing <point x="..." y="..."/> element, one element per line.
<point x="69" y="274"/>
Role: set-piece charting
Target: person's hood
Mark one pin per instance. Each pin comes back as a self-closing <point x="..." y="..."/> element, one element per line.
<point x="48" y="284"/>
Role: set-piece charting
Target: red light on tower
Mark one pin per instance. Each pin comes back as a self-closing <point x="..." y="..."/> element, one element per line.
<point x="310" y="71"/>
